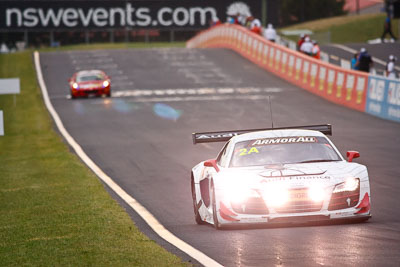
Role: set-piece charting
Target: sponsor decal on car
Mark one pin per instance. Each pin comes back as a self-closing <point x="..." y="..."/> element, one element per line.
<point x="285" y="140"/>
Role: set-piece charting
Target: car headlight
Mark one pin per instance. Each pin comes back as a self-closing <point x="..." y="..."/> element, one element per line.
<point x="237" y="193"/>
<point x="316" y="193"/>
<point x="276" y="195"/>
<point x="351" y="184"/>
<point x="106" y="83"/>
<point x="75" y="85"/>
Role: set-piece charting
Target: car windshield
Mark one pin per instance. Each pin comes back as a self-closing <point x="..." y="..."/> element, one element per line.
<point x="283" y="150"/>
<point x="93" y="77"/>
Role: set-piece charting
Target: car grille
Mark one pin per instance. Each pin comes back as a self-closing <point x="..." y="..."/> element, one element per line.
<point x="344" y="200"/>
<point x="253" y="205"/>
<point x="300" y="206"/>
<point x="299" y="202"/>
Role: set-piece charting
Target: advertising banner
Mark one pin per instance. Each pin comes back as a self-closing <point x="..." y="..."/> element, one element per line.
<point x="383" y="99"/>
<point x="49" y="15"/>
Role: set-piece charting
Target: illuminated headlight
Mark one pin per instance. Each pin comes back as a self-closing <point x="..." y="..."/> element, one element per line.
<point x="351" y="184"/>
<point x="316" y="193"/>
<point x="106" y="83"/>
<point x="276" y="195"/>
<point x="238" y="194"/>
<point x="75" y="85"/>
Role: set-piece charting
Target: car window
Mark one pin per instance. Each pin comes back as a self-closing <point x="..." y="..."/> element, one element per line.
<point x="283" y="150"/>
<point x="85" y="78"/>
<point x="222" y="157"/>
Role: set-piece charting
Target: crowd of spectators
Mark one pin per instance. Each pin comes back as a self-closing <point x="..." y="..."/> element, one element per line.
<point x="308" y="46"/>
<point x="361" y="61"/>
<point x="251" y="23"/>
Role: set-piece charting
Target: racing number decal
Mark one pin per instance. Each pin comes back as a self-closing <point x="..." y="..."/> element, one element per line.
<point x="244" y="152"/>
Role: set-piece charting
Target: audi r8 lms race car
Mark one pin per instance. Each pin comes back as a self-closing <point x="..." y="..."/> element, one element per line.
<point x="280" y="175"/>
<point x="89" y="82"/>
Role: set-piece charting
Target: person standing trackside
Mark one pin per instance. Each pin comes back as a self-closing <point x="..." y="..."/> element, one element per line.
<point x="388" y="29"/>
<point x="364" y="61"/>
<point x="306" y="47"/>
<point x="301" y="41"/>
<point x="353" y="62"/>
<point x="390" y="72"/>
<point x="316" y="50"/>
<point x="255" y="25"/>
<point x="270" y="33"/>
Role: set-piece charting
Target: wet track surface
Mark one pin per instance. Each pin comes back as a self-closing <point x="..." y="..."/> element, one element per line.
<point x="141" y="137"/>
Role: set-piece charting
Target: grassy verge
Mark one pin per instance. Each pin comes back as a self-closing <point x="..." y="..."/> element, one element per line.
<point x="53" y="210"/>
<point x="348" y="29"/>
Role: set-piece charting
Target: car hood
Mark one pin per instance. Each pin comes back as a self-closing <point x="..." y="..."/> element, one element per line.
<point x="294" y="175"/>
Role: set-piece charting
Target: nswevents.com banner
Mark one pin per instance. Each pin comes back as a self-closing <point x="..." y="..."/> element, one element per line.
<point x="120" y="14"/>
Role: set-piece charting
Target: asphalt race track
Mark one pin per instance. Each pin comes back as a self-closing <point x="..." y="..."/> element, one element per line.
<point x="141" y="137"/>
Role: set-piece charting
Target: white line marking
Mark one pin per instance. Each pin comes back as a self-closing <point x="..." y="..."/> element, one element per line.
<point x="200" y="98"/>
<point x="133" y="203"/>
<point x="353" y="51"/>
<point x="194" y="91"/>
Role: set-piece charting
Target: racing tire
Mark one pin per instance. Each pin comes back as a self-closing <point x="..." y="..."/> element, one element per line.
<point x="197" y="217"/>
<point x="217" y="225"/>
<point x="108" y="95"/>
<point x="73" y="96"/>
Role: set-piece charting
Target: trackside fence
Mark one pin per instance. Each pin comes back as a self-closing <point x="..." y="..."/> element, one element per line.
<point x="354" y="89"/>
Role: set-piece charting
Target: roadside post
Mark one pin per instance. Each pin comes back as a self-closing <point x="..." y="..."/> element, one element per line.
<point x="7" y="87"/>
<point x="1" y="123"/>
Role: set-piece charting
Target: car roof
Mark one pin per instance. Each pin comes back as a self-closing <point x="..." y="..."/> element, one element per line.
<point x="89" y="72"/>
<point x="276" y="133"/>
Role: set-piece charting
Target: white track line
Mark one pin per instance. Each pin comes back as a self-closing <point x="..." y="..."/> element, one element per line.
<point x="133" y="203"/>
<point x="353" y="51"/>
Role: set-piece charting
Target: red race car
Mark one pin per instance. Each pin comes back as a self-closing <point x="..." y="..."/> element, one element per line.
<point x="90" y="82"/>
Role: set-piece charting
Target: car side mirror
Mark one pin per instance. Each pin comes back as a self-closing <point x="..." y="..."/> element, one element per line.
<point x="211" y="163"/>
<point x="352" y="155"/>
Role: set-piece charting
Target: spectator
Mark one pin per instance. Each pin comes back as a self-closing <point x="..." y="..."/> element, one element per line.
<point x="364" y="61"/>
<point x="255" y="25"/>
<point x="233" y="19"/>
<point x="353" y="62"/>
<point x="215" y="21"/>
<point x="306" y="47"/>
<point x="242" y="19"/>
<point x="390" y="72"/>
<point x="4" y="49"/>
<point x="270" y="33"/>
<point x="316" y="50"/>
<point x="388" y="29"/>
<point x="301" y="41"/>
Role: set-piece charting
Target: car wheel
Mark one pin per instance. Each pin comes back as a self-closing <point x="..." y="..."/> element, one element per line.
<point x="196" y="210"/>
<point x="217" y="225"/>
<point x="108" y="94"/>
<point x="73" y="96"/>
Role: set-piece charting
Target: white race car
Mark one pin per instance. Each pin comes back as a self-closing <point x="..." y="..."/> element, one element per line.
<point x="280" y="175"/>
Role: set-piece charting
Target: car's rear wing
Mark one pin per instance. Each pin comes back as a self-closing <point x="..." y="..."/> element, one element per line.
<point x="223" y="136"/>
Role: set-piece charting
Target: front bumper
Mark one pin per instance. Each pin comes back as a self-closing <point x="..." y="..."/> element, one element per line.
<point x="91" y="92"/>
<point x="228" y="214"/>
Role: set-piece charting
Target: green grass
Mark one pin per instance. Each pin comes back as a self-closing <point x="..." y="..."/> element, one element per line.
<point x="114" y="46"/>
<point x="347" y="29"/>
<point x="53" y="210"/>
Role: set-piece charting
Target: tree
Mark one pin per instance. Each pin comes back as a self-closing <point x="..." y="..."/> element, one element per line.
<point x="295" y="11"/>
